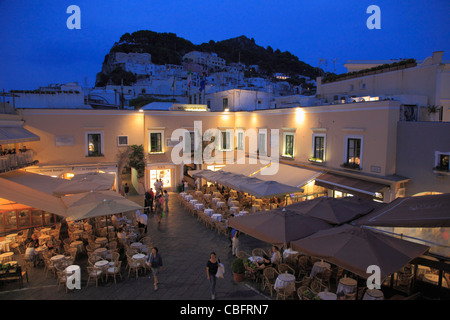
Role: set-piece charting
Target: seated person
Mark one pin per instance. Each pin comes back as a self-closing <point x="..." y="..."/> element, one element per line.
<point x="275" y="257"/>
<point x="31" y="253"/>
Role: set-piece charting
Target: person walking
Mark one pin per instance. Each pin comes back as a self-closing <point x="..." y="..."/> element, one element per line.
<point x="154" y="261"/>
<point x="234" y="242"/>
<point x="147" y="201"/>
<point x="126" y="189"/>
<point x="159" y="200"/>
<point x="166" y="201"/>
<point x="152" y="198"/>
<point x="185" y="183"/>
<point x="211" y="270"/>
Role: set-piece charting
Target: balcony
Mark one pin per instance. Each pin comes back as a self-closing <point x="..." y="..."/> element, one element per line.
<point x="9" y="162"/>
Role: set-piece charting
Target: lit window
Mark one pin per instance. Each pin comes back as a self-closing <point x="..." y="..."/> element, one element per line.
<point x="288" y="145"/>
<point x="94" y="144"/>
<point x="354" y="151"/>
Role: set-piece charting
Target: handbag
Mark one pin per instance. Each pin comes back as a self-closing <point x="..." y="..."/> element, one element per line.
<point x="220" y="271"/>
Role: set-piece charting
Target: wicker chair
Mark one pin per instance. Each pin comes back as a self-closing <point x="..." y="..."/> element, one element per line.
<point x="283" y="267"/>
<point x="114" y="271"/>
<point x="95" y="274"/>
<point x="301" y="290"/>
<point x="258" y="252"/>
<point x="269" y="276"/>
<point x="287" y="291"/>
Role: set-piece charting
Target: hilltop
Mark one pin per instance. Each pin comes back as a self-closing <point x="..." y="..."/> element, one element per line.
<point x="168" y="48"/>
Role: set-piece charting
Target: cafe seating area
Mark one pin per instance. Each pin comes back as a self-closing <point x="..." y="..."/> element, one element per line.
<point x="102" y="250"/>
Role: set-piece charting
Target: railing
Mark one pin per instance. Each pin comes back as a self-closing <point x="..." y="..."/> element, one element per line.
<point x="10" y="162"/>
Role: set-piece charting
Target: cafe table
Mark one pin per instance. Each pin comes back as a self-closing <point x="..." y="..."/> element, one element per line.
<point x="207" y="196"/>
<point x="220" y="204"/>
<point x="101" y="264"/>
<point x="4" y="245"/>
<point x="243" y="212"/>
<point x="183" y="194"/>
<point x="327" y="295"/>
<point x="318" y="267"/>
<point x="234" y="203"/>
<point x="101" y="241"/>
<point x="283" y="280"/>
<point x="77" y="244"/>
<point x="288" y="252"/>
<point x="373" y="294"/>
<point x="58" y="257"/>
<point x="12" y="237"/>
<point x="6" y="257"/>
<point x="234" y="209"/>
<point x="100" y="251"/>
<point x="199" y="206"/>
<point x="346" y="285"/>
<point x="193" y="202"/>
<point x="136" y="245"/>
<point x="139" y="256"/>
<point x="189" y="197"/>
<point x="217" y="217"/>
<point x="209" y="212"/>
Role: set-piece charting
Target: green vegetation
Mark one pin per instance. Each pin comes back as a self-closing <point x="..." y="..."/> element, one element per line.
<point x="141" y="101"/>
<point x="136" y="159"/>
<point x="237" y="266"/>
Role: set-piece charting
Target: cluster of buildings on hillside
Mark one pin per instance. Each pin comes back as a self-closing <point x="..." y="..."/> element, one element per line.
<point x="380" y="135"/>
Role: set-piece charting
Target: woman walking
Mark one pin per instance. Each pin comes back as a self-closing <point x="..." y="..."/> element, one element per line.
<point x="211" y="269"/>
<point x="154" y="261"/>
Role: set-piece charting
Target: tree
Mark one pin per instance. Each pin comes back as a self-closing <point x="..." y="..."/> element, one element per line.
<point x="136" y="160"/>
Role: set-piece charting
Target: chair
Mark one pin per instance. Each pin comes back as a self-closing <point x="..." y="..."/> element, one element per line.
<point x="287" y="291"/>
<point x="114" y="270"/>
<point x="62" y="278"/>
<point x="134" y="266"/>
<point x="324" y="277"/>
<point x="269" y="276"/>
<point x="303" y="264"/>
<point x="306" y="281"/>
<point x="259" y="252"/>
<point x="404" y="282"/>
<point x="243" y="255"/>
<point x="317" y="285"/>
<point x="95" y="274"/>
<point x="283" y="267"/>
<point x="300" y="291"/>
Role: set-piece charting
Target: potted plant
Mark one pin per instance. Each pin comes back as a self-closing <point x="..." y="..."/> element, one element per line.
<point x="309" y="295"/>
<point x="238" y="269"/>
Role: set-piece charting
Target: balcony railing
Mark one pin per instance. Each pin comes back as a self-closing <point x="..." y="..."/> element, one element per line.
<point x="11" y="162"/>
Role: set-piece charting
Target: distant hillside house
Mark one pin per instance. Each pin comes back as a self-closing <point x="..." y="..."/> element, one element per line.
<point x="210" y="60"/>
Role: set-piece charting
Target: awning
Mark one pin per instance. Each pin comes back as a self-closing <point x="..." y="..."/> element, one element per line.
<point x="245" y="168"/>
<point x="32" y="197"/>
<point x="35" y="181"/>
<point x="414" y="212"/>
<point x="16" y="135"/>
<point x="350" y="185"/>
<point x="289" y="175"/>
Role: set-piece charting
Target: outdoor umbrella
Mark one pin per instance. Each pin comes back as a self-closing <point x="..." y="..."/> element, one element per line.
<point x="97" y="203"/>
<point x="356" y="248"/>
<point x="85" y="183"/>
<point x="268" y="189"/>
<point x="231" y="180"/>
<point x="279" y="226"/>
<point x="413" y="212"/>
<point x="335" y="210"/>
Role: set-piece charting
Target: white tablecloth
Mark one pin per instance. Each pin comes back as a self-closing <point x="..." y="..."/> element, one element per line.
<point x="217" y="217"/>
<point x="199" y="206"/>
<point x="319" y="266"/>
<point x="193" y="201"/>
<point x="256" y="259"/>
<point x="373" y="294"/>
<point x="283" y="280"/>
<point x="241" y="213"/>
<point x="346" y="285"/>
<point x="234" y="209"/>
<point x="326" y="295"/>
<point x="209" y="212"/>
<point x="220" y="204"/>
<point x="189" y="197"/>
<point x="288" y="252"/>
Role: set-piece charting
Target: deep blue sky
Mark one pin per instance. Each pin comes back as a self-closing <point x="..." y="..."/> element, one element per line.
<point x="38" y="49"/>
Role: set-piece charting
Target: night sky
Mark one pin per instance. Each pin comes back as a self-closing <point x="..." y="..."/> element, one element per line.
<point x="38" y="49"/>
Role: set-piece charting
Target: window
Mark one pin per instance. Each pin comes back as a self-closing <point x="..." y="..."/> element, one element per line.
<point x="353" y="151"/>
<point x="240" y="140"/>
<point x="224" y="103"/>
<point x="442" y="161"/>
<point x="262" y="143"/>
<point x="122" y="141"/>
<point x="225" y="143"/>
<point x="318" y="147"/>
<point x="288" y="145"/>
<point x="155" y="142"/>
<point x="189" y="142"/>
<point x="94" y="144"/>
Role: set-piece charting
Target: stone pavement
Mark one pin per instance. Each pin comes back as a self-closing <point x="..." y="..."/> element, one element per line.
<point x="184" y="244"/>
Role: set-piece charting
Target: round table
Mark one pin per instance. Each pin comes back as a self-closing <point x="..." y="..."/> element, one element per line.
<point x="283" y="280"/>
<point x="4" y="245"/>
<point x="57" y="257"/>
<point x="220" y="204"/>
<point x="101" y="241"/>
<point x="193" y="202"/>
<point x="326" y="295"/>
<point x="234" y="203"/>
<point x="136" y="245"/>
<point x="373" y="294"/>
<point x="101" y="264"/>
<point x="209" y="212"/>
<point x="234" y="209"/>
<point x="199" y="206"/>
<point x="77" y="244"/>
<point x="346" y="285"/>
<point x="241" y="213"/>
<point x="6" y="257"/>
<point x="217" y="217"/>
<point x="318" y="267"/>
<point x="138" y="256"/>
<point x="288" y="252"/>
<point x="189" y="197"/>
<point x="207" y="196"/>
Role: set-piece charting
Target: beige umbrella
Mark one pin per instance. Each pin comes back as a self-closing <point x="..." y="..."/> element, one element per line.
<point x="86" y="182"/>
<point x="356" y="248"/>
<point x="97" y="203"/>
<point x="279" y="226"/>
<point x="268" y="189"/>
